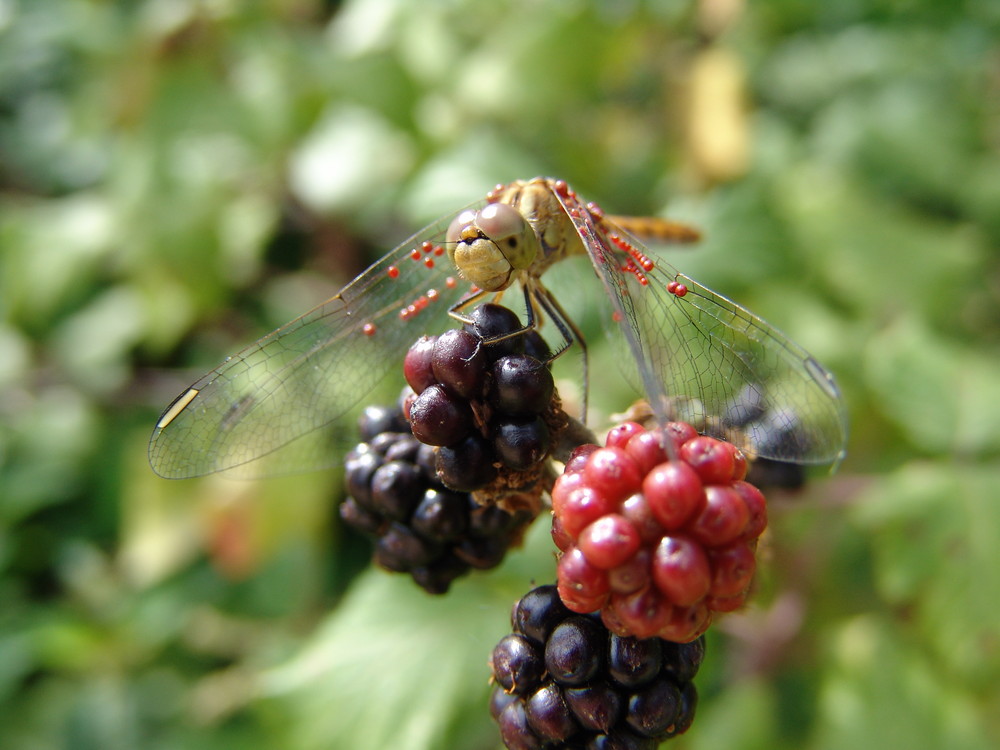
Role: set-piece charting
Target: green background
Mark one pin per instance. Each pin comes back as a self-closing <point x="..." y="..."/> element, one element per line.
<point x="179" y="177"/>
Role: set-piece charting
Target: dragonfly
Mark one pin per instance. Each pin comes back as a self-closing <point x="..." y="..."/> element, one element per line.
<point x="282" y="404"/>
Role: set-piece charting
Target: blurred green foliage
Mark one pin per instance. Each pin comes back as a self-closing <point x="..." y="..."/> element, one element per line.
<point x="180" y="176"/>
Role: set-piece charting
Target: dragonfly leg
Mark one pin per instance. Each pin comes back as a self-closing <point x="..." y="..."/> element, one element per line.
<point x="456" y="312"/>
<point x="535" y="293"/>
<point x="570" y="334"/>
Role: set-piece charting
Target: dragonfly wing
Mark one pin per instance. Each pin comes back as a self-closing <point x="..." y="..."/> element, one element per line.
<point x="701" y="356"/>
<point x="280" y="405"/>
<point x="759" y="380"/>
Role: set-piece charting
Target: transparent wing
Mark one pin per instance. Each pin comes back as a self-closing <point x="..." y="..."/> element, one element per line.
<point x="279" y="405"/>
<point x="703" y="356"/>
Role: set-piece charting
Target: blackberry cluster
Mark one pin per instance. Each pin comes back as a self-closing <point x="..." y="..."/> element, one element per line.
<point x="484" y="395"/>
<point x="657" y="530"/>
<point x="563" y="681"/>
<point x="420" y="526"/>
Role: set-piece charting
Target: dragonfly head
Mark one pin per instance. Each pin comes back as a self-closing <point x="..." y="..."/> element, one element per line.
<point x="489" y="245"/>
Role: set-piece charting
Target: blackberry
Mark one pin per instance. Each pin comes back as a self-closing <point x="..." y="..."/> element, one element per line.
<point x="420" y="526"/>
<point x="574" y="650"/>
<point x="484" y="396"/>
<point x="518" y="666"/>
<point x="657" y="530"/>
<point x="548" y="715"/>
<point x="766" y="472"/>
<point x="378" y="419"/>
<point x="467" y="465"/>
<point x="498" y="325"/>
<point x="442" y="516"/>
<point x="417" y="367"/>
<point x="536" y="614"/>
<point x="459" y="362"/>
<point x="521" y="444"/>
<point x="562" y="680"/>
<point x="521" y="385"/>
<point x="438" y="418"/>
<point x="748" y="411"/>
<point x="396" y="488"/>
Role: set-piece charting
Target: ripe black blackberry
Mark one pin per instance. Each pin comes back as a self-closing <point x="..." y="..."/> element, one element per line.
<point x="485" y="397"/>
<point x="564" y="681"/>
<point x="420" y="526"/>
<point x="747" y="410"/>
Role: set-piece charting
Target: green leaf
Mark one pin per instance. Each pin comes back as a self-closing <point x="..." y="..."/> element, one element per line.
<point x="881" y="691"/>
<point x="937" y="557"/>
<point x="879" y="257"/>
<point x="944" y="396"/>
<point x="742" y="716"/>
<point x="393" y="667"/>
<point x="348" y="159"/>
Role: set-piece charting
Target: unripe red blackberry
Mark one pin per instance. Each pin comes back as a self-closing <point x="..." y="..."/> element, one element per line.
<point x="420" y="527"/>
<point x="657" y="530"/>
<point x="564" y="681"/>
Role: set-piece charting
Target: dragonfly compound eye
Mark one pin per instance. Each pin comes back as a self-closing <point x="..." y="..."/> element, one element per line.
<point x="510" y="232"/>
<point x="458" y="226"/>
<point x="489" y="246"/>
